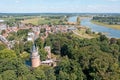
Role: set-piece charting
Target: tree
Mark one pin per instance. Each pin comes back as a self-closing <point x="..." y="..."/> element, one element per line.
<point x="16" y="48"/>
<point x="43" y="30"/>
<point x="3" y="32"/>
<point x="75" y="72"/>
<point x="22" y="34"/>
<point x="28" y="46"/>
<point x="1" y="77"/>
<point x="118" y="41"/>
<point x="63" y="76"/>
<point x="42" y="54"/>
<point x="39" y="74"/>
<point x="104" y="46"/>
<point x="48" y="42"/>
<point x="22" y="70"/>
<point x="88" y="31"/>
<point x="30" y="77"/>
<point x="6" y="53"/>
<point x="103" y="37"/>
<point x="11" y="22"/>
<point x="39" y="43"/>
<point x="78" y="20"/>
<point x="113" y="41"/>
<point x="63" y="65"/>
<point x="114" y="49"/>
<point x="21" y="46"/>
<point x="2" y="46"/>
<point x="12" y="36"/>
<point x="64" y="50"/>
<point x="57" y="47"/>
<point x="9" y="75"/>
<point x="73" y="76"/>
<point x="50" y="74"/>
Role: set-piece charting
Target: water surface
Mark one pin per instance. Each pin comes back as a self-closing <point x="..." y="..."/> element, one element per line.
<point x="110" y="32"/>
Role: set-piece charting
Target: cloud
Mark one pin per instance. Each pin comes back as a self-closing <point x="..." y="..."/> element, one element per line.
<point x="18" y="1"/>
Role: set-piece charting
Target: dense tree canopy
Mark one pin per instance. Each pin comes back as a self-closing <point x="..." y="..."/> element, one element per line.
<point x="80" y="59"/>
<point x="97" y="58"/>
<point x="108" y="20"/>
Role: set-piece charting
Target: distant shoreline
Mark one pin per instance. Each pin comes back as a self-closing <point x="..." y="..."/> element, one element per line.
<point x="56" y="13"/>
<point x="117" y="27"/>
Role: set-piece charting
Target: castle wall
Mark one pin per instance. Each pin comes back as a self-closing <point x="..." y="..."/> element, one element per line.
<point x="35" y="62"/>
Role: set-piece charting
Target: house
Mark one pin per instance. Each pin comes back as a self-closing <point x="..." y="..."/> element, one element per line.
<point x="48" y="29"/>
<point x="30" y="36"/>
<point x="3" y="26"/>
<point x="71" y="28"/>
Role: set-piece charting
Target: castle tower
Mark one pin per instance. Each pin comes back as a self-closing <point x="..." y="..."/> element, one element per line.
<point x="35" y="57"/>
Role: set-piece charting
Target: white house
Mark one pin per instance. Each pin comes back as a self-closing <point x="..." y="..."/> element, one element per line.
<point x="30" y="36"/>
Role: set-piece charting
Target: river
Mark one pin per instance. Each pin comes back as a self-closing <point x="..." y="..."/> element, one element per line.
<point x="110" y="32"/>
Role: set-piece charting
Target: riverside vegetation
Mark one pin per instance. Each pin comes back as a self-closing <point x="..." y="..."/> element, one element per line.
<point x="111" y="21"/>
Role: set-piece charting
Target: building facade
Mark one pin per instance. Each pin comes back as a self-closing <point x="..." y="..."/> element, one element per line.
<point x="35" y="57"/>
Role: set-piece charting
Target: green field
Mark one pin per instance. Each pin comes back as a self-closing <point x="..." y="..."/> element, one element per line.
<point x="107" y="25"/>
<point x="41" y="21"/>
<point x="33" y="21"/>
<point x="81" y="34"/>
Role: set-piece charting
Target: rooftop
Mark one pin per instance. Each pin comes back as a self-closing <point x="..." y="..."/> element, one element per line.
<point x="1" y="20"/>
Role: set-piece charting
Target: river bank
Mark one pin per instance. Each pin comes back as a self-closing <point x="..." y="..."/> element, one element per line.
<point x="117" y="27"/>
<point x="111" y="33"/>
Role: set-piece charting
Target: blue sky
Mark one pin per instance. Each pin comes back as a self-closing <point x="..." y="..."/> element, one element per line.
<point x="63" y="6"/>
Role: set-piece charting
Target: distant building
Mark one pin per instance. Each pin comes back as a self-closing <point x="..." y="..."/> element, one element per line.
<point x="2" y="25"/>
<point x="3" y="39"/>
<point x="13" y="29"/>
<point x="36" y="31"/>
<point x="48" y="29"/>
<point x="1" y="21"/>
<point x="49" y="62"/>
<point x="30" y="36"/>
<point x="71" y="28"/>
<point x="35" y="57"/>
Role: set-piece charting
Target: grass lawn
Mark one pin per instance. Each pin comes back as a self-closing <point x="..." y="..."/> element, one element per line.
<point x="82" y="34"/>
<point x="107" y="25"/>
<point x="33" y="21"/>
<point x="46" y="21"/>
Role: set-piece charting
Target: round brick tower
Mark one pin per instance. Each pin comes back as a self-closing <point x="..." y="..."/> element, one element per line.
<point x="35" y="57"/>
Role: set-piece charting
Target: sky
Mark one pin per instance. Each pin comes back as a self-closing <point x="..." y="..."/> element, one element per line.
<point x="60" y="6"/>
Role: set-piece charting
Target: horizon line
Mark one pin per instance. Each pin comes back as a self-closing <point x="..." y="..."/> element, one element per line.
<point x="59" y="12"/>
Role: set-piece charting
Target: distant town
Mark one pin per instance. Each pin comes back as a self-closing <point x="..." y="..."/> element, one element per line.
<point x="35" y="32"/>
<point x="59" y="46"/>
